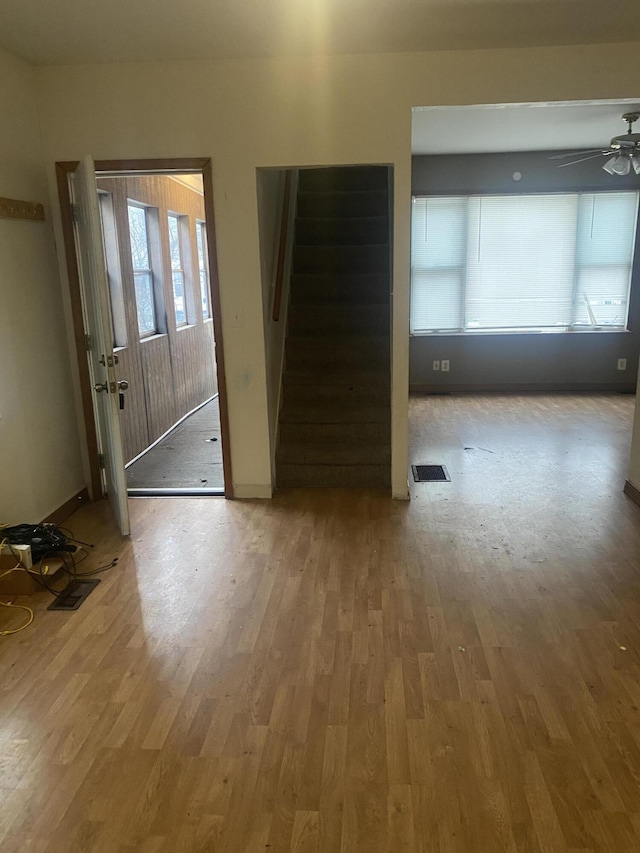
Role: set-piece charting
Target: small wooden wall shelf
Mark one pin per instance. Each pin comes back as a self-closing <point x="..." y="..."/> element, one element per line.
<point x="10" y="208"/>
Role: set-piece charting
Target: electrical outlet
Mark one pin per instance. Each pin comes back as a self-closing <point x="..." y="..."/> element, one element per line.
<point x="436" y="365"/>
<point x="622" y="364"/>
<point x="444" y="364"/>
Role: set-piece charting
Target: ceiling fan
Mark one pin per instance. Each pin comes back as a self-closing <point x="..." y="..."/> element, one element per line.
<point x="622" y="155"/>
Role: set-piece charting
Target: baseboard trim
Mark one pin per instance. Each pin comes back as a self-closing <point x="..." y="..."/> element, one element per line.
<point x="68" y="507"/>
<point x="522" y="388"/>
<point x="632" y="492"/>
<point x="246" y="492"/>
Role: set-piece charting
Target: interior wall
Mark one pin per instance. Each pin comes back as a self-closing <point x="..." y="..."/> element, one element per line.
<point x="40" y="461"/>
<point x="270" y="190"/>
<point x="540" y="361"/>
<point x="299" y="111"/>
<point x="172" y="372"/>
<point x="634" y="462"/>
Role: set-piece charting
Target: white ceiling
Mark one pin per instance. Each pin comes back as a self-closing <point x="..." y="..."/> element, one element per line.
<point x="78" y="31"/>
<point x="518" y="127"/>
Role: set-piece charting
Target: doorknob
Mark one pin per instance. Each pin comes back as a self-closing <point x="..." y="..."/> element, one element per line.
<point x="101" y="386"/>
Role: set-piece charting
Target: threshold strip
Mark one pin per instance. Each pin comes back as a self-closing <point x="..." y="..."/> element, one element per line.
<point x="182" y="493"/>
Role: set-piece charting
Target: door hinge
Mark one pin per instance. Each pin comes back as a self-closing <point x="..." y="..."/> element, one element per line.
<point x="87" y="340"/>
<point x="101" y="461"/>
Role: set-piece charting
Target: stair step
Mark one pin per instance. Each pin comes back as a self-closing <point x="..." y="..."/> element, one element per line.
<point x="339" y="377"/>
<point x="313" y="289"/>
<point x="337" y="394"/>
<point x="344" y="178"/>
<point x="299" y="433"/>
<point x="343" y="204"/>
<point x="333" y="476"/>
<point x="339" y="412"/>
<point x="365" y="258"/>
<point x="342" y="232"/>
<point x="339" y="320"/>
<point x="358" y="353"/>
<point x="334" y="453"/>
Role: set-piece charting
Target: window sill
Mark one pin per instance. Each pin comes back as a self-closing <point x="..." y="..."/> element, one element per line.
<point x="153" y="337"/>
<point x="186" y="326"/>
<point x="604" y="330"/>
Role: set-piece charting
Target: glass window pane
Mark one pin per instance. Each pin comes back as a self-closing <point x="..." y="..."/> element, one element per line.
<point x="436" y="300"/>
<point x="204" y="278"/>
<point x="142" y="275"/>
<point x="178" y="297"/>
<point x="606" y="231"/>
<point x="114" y="276"/>
<point x="521" y="261"/>
<point x="144" y="303"/>
<point x="602" y="296"/>
<point x="174" y="243"/>
<point x="439" y="233"/>
<point x="199" y="235"/>
<point x="204" y="290"/>
<point x="438" y="249"/>
<point x="606" y="237"/>
<point x="138" y="237"/>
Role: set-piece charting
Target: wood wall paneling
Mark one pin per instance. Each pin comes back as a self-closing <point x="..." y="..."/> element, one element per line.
<point x="133" y="420"/>
<point x="193" y="376"/>
<point x="159" y="385"/>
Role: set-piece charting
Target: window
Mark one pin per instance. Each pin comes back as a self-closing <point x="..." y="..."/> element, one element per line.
<point x="201" y="237"/>
<point x="177" y="270"/>
<point x="522" y="262"/>
<point x="142" y="274"/>
<point x="112" y="263"/>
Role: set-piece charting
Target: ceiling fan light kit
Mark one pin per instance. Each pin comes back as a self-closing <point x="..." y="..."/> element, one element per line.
<point x="621" y="164"/>
<point x="623" y="153"/>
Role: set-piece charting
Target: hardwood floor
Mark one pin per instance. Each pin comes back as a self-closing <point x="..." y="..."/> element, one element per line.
<point x="335" y="672"/>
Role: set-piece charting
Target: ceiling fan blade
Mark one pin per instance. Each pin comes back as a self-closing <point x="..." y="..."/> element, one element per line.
<point x="583" y="159"/>
<point x="575" y="153"/>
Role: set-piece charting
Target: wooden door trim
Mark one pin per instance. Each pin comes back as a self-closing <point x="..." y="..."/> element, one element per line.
<point x="214" y="288"/>
<point x="188" y="164"/>
<point x="73" y="273"/>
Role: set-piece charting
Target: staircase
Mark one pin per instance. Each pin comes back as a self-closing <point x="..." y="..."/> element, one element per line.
<point x="335" y="421"/>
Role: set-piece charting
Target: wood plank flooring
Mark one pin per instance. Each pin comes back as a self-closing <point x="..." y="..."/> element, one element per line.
<point x="335" y="672"/>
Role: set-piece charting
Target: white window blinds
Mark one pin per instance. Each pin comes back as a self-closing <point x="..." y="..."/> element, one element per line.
<point x="522" y="262"/>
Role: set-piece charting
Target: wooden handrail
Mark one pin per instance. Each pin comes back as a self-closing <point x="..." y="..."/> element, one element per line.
<point x="282" y="248"/>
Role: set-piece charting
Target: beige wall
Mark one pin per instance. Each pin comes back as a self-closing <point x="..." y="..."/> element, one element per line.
<point x="299" y="111"/>
<point x="634" y="467"/>
<point x="40" y="465"/>
<point x="270" y="188"/>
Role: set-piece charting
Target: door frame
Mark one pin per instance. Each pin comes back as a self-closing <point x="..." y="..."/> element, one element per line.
<point x="179" y="165"/>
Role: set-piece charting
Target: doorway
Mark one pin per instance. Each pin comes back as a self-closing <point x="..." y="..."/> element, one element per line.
<point x="155" y="235"/>
<point x="160" y="259"/>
